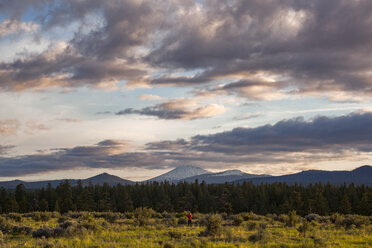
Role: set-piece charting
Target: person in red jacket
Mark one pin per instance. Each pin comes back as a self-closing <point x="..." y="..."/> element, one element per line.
<point x="189" y="218"/>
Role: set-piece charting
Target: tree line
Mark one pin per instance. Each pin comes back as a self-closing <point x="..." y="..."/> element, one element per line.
<point x="276" y="198"/>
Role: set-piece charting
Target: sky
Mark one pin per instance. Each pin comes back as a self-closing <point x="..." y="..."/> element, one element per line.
<point x="137" y="87"/>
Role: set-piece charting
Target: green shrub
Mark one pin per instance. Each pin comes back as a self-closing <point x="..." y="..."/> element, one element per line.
<point x="283" y="218"/>
<point x="175" y="235"/>
<point x="166" y="215"/>
<point x="143" y="215"/>
<point x="110" y="216"/>
<point x="170" y="222"/>
<point x="40" y="216"/>
<point x="88" y="223"/>
<point x="63" y="218"/>
<point x="45" y="216"/>
<point x="67" y="224"/>
<point x="262" y="235"/>
<point x="237" y="220"/>
<point x="181" y="215"/>
<point x="317" y="218"/>
<point x="319" y="242"/>
<point x="74" y="215"/>
<point x="42" y="242"/>
<point x="348" y="221"/>
<point x="213" y="223"/>
<point x="56" y="214"/>
<point x="21" y="229"/>
<point x="15" y="216"/>
<point x="168" y="245"/>
<point x="292" y="219"/>
<point x="5" y="225"/>
<point x="305" y="227"/>
<point x="43" y="232"/>
<point x="36" y="216"/>
<point x="182" y="221"/>
<point x="250" y="216"/>
<point x="336" y="218"/>
<point x="252" y="225"/>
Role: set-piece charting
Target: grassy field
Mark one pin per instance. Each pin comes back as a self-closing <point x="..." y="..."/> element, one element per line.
<point x="145" y="228"/>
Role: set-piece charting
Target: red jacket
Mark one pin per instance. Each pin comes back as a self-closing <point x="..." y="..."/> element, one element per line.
<point x="189" y="216"/>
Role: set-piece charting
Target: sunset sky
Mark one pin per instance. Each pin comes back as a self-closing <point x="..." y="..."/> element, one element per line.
<point x="135" y="88"/>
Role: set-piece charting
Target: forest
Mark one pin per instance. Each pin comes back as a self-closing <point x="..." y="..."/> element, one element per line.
<point x="277" y="198"/>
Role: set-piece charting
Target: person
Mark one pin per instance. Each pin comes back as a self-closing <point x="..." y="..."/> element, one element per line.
<point x="189" y="218"/>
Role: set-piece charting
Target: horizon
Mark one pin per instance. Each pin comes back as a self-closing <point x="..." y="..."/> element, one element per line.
<point x="136" y="88"/>
<point x="172" y="170"/>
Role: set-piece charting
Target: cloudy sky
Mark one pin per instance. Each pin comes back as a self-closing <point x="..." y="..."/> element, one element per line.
<point x="137" y="87"/>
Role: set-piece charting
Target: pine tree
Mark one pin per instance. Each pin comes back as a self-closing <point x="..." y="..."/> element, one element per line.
<point x="21" y="198"/>
<point x="65" y="202"/>
<point x="122" y="200"/>
<point x="345" y="205"/>
<point x="365" y="205"/>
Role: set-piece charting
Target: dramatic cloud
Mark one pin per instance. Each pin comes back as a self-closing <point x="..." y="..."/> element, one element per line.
<point x="300" y="47"/>
<point x="99" y="55"/>
<point x="323" y="134"/>
<point x="310" y="47"/>
<point x="295" y="142"/>
<point x="184" y="109"/>
<point x="290" y="141"/>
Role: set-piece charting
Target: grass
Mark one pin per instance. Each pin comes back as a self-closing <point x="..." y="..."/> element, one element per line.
<point x="124" y="230"/>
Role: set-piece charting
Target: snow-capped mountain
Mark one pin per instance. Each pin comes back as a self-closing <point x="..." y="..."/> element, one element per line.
<point x="179" y="173"/>
<point x="221" y="177"/>
<point x="230" y="173"/>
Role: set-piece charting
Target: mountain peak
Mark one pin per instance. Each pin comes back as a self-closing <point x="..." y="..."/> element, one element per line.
<point x="230" y="173"/>
<point x="107" y="178"/>
<point x="179" y="173"/>
<point x="362" y="169"/>
<point x="102" y="175"/>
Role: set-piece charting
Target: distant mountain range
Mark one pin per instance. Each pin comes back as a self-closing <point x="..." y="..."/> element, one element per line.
<point x="99" y="179"/>
<point x="222" y="177"/>
<point x="361" y="175"/>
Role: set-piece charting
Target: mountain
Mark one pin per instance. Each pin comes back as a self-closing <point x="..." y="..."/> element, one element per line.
<point x="106" y="178"/>
<point x="179" y="173"/>
<point x="361" y="175"/>
<point x="221" y="177"/>
<point x="99" y="179"/>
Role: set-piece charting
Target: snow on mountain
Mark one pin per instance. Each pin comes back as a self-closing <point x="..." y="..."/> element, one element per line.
<point x="230" y="173"/>
<point x="179" y="173"/>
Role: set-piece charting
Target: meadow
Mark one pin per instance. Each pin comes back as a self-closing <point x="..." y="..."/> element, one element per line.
<point x="144" y="227"/>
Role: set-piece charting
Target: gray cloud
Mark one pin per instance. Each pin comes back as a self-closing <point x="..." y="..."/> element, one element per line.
<point x="316" y="46"/>
<point x="350" y="132"/>
<point x="182" y="109"/>
<point x="101" y="56"/>
<point x="294" y="141"/>
<point x="309" y="47"/>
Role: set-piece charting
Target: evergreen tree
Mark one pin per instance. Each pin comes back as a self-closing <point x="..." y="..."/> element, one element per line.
<point x="345" y="205"/>
<point x="122" y="200"/>
<point x="64" y="201"/>
<point x="21" y="198"/>
<point x="365" y="205"/>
